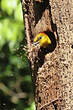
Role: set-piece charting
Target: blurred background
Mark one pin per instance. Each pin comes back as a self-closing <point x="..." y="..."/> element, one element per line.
<point x="16" y="91"/>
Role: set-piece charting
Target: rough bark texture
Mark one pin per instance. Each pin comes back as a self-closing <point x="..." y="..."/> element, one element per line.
<point x="62" y="15"/>
<point x="52" y="72"/>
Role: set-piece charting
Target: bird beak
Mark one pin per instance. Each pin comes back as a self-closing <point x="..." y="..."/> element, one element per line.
<point x="36" y="44"/>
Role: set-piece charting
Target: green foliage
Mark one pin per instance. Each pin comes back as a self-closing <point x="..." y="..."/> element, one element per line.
<point x="15" y="80"/>
<point x="8" y="6"/>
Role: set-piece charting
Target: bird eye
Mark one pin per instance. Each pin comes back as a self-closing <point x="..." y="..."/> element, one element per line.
<point x="39" y="38"/>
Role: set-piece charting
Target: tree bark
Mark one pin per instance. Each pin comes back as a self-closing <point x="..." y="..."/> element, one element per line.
<point x="52" y="72"/>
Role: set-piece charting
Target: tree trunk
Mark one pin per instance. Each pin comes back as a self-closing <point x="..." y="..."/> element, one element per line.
<point x="52" y="72"/>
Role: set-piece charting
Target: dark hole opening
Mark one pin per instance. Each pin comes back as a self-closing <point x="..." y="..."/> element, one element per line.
<point x="39" y="8"/>
<point x="43" y="51"/>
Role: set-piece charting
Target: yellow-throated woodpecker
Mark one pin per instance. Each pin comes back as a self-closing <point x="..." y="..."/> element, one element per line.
<point x="42" y="39"/>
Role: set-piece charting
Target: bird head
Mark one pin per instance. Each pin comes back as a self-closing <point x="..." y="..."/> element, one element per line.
<point x="42" y="39"/>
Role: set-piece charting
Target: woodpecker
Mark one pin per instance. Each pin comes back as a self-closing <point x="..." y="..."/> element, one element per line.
<point x="42" y="40"/>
